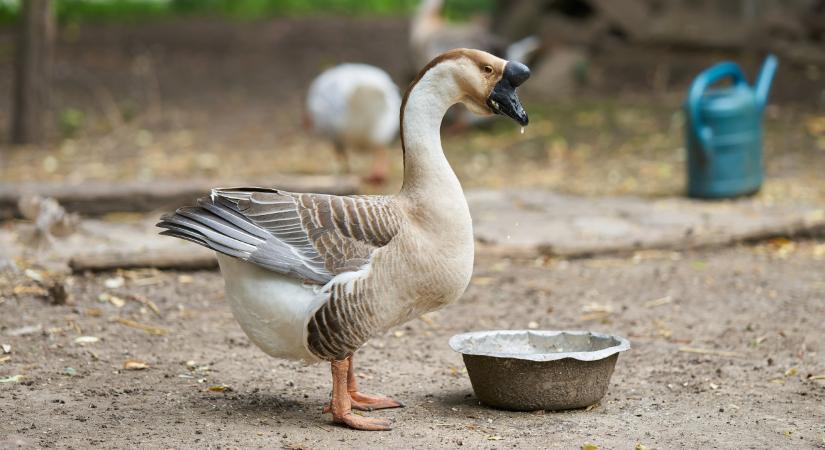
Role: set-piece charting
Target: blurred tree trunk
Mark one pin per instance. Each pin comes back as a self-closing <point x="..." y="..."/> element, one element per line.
<point x="32" y="72"/>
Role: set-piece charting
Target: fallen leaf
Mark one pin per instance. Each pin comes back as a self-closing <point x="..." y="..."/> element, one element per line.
<point x="117" y="301"/>
<point x="147" y="328"/>
<point x="34" y="275"/>
<point x="640" y="447"/>
<point x="791" y="372"/>
<point x="86" y="340"/>
<point x="37" y="291"/>
<point x="12" y="379"/>
<point x="816" y="377"/>
<point x="663" y="329"/>
<point x="428" y="319"/>
<point x="94" y="312"/>
<point x="589" y="446"/>
<point x="594" y="307"/>
<point x="779" y="241"/>
<point x="114" y="282"/>
<point x="708" y="352"/>
<point x="658" y="302"/>
<point x="132" y="364"/>
<point x="759" y="340"/>
<point x="146" y="302"/>
<point x="70" y="371"/>
<point x="220" y="388"/>
<point x="22" y="331"/>
<point x="4" y="359"/>
<point x="6" y="348"/>
<point x="185" y="279"/>
<point x="494" y="437"/>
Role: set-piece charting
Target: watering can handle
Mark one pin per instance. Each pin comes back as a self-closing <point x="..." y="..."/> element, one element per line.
<point x="698" y="88"/>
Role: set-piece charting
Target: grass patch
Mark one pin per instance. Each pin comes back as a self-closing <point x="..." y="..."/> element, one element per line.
<point x="74" y="11"/>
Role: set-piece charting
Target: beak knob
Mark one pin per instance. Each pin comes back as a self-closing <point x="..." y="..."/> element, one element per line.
<point x="516" y="73"/>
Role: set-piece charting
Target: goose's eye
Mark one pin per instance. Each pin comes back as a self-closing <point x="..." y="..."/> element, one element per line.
<point x="487" y="69"/>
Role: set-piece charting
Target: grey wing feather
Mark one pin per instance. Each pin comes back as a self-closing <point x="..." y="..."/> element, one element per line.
<point x="219" y="228"/>
<point x="311" y="236"/>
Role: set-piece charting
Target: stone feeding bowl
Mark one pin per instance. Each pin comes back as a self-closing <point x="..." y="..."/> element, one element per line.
<point x="529" y="370"/>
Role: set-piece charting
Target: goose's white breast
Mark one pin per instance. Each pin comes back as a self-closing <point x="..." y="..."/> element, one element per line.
<point x="273" y="310"/>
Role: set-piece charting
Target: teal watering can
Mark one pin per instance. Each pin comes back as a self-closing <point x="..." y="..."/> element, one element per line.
<point x="724" y="131"/>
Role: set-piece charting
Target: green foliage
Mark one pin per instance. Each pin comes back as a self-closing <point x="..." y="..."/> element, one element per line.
<point x="137" y="10"/>
<point x="8" y="11"/>
<point x="71" y="121"/>
<point x="99" y="11"/>
<point x="254" y="9"/>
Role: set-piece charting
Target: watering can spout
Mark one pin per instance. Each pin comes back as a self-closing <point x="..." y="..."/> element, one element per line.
<point x="763" y="82"/>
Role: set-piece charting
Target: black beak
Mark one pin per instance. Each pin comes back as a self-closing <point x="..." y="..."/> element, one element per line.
<point x="503" y="99"/>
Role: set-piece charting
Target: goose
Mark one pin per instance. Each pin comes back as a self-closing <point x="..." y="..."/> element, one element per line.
<point x="355" y="106"/>
<point x="313" y="277"/>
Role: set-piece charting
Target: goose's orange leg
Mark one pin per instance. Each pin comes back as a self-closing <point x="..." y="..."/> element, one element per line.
<point x="341" y="405"/>
<point x="380" y="166"/>
<point x="366" y="402"/>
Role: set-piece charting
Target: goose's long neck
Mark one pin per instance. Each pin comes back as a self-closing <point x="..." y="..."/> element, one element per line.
<point x="426" y="170"/>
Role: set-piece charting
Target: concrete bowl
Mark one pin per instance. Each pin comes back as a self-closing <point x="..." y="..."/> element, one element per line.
<point x="528" y="370"/>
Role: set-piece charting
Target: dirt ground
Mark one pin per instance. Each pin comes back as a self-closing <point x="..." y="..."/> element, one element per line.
<point x="755" y="313"/>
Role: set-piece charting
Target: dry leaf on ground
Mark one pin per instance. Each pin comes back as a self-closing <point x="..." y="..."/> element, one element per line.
<point x="86" y="340"/>
<point x="12" y="379"/>
<point x="132" y="364"/>
<point x="158" y="331"/>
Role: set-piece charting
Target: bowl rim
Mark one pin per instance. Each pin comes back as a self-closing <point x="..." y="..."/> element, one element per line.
<point x="623" y="345"/>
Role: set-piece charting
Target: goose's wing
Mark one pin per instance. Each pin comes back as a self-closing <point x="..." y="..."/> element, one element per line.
<point x="310" y="236"/>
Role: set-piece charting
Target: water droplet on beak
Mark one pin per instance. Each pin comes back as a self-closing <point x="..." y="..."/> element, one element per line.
<point x="522" y="130"/>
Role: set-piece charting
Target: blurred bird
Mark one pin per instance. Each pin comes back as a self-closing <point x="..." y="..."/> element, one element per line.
<point x="431" y="35"/>
<point x="356" y="106"/>
<point x="50" y="219"/>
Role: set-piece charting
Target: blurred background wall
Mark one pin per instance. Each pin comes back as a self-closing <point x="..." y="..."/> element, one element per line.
<point x="158" y="89"/>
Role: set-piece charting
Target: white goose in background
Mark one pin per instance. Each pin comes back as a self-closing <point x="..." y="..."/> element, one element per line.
<point x="313" y="277"/>
<point x="356" y="107"/>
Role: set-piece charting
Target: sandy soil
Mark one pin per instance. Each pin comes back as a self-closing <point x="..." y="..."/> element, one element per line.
<point x="759" y="308"/>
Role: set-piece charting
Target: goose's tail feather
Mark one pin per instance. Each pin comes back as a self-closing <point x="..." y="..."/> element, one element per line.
<point x="214" y="227"/>
<point x="214" y="224"/>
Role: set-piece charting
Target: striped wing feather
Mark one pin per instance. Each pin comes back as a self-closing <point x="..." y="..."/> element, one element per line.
<point x="309" y="236"/>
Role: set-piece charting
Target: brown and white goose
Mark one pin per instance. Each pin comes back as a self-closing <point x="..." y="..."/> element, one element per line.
<point x="313" y="277"/>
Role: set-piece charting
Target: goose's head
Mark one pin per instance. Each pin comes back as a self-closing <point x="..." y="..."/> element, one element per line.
<point x="489" y="83"/>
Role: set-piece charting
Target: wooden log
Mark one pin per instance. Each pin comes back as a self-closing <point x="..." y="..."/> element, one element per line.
<point x="30" y="110"/>
<point x="96" y="198"/>
<point x="158" y="259"/>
